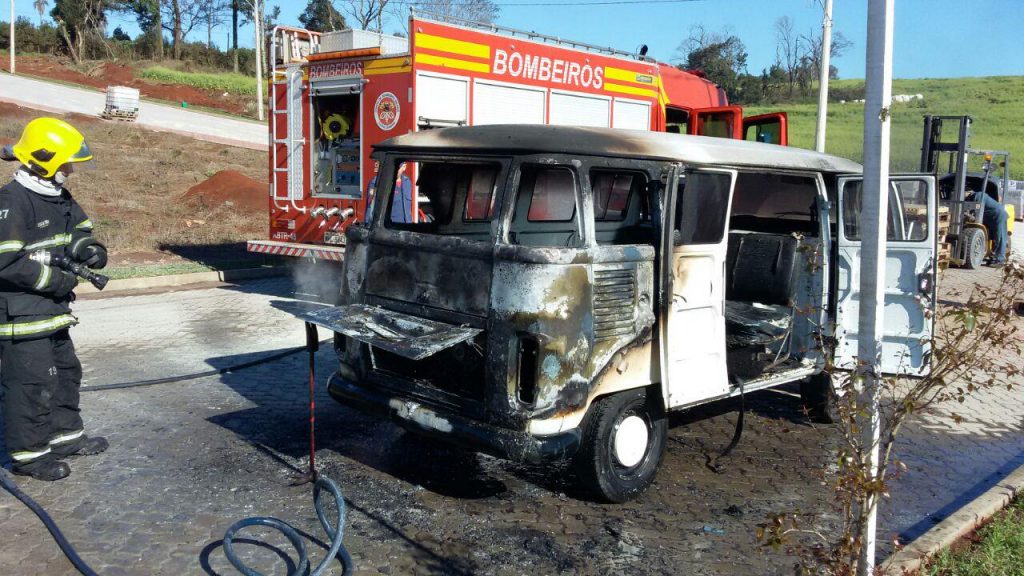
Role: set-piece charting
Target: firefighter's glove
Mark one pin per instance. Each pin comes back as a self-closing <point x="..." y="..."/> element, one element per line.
<point x="63" y="283"/>
<point x="90" y="252"/>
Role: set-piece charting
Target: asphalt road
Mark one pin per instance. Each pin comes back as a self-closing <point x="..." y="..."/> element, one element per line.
<point x="52" y="97"/>
<point x="190" y="458"/>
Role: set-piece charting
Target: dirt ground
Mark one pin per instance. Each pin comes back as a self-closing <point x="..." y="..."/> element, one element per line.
<point x="135" y="192"/>
<point x="100" y="74"/>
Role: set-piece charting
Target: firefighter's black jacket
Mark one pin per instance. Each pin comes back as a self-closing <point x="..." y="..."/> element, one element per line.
<point x="30" y="222"/>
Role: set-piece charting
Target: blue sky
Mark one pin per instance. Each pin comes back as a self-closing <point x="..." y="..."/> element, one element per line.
<point x="933" y="38"/>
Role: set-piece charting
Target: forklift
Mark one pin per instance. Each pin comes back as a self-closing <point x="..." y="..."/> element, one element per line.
<point x="966" y="235"/>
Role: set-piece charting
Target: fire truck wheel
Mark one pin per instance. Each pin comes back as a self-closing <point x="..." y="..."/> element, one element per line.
<point x="623" y="443"/>
<point x="975" y="247"/>
<point x="819" y="399"/>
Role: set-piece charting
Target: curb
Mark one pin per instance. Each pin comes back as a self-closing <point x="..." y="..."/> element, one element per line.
<point x="174" y="280"/>
<point x="956" y="526"/>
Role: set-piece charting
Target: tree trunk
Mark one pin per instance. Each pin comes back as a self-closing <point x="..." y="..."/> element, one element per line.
<point x="176" y="8"/>
<point x="158" y="26"/>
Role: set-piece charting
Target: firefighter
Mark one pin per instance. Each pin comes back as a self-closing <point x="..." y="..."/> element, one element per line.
<point x="39" y="372"/>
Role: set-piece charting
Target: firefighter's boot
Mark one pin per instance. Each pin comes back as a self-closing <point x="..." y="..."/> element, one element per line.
<point x="47" y="469"/>
<point x="86" y="446"/>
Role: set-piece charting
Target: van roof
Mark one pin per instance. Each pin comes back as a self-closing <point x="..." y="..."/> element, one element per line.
<point x="536" y="139"/>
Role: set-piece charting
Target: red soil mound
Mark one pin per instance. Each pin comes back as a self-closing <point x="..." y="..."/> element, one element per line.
<point x="231" y="187"/>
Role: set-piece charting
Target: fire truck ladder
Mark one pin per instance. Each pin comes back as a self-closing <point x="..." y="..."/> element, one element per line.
<point x="292" y="168"/>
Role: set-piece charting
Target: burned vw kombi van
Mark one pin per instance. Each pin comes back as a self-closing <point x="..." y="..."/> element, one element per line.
<point x="543" y="292"/>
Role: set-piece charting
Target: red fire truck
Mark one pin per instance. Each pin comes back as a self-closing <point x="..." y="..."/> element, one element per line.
<point x="334" y="95"/>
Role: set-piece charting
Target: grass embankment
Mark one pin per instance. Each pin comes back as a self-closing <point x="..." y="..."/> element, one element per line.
<point x="996" y="103"/>
<point x="997" y="549"/>
<point x="221" y="81"/>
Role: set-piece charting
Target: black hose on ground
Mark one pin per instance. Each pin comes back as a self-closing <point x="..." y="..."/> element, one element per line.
<point x="196" y="375"/>
<point x="337" y="550"/>
<point x="7" y="481"/>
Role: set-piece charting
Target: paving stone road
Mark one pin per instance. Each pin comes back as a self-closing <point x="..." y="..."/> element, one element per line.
<point x="190" y="458"/>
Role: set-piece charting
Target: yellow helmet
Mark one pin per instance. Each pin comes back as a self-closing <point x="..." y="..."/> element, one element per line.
<point x="46" y="144"/>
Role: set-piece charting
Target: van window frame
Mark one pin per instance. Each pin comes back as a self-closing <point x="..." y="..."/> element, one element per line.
<point x="583" y="231"/>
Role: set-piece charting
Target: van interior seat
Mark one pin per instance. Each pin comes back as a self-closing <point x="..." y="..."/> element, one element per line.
<point x="761" y="274"/>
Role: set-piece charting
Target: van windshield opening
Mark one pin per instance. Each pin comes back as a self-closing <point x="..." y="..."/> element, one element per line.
<point x="442" y="197"/>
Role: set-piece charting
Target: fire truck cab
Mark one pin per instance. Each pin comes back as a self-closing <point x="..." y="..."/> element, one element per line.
<point x="334" y="96"/>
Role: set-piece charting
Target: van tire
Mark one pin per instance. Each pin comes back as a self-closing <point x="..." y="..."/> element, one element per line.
<point x="599" y="464"/>
<point x="819" y="399"/>
<point x="975" y="247"/>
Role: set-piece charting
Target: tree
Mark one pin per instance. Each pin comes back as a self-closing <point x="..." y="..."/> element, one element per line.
<point x="40" y="6"/>
<point x="120" y="35"/>
<point x="368" y="14"/>
<point x="180" y="17"/>
<point x="213" y="14"/>
<point x="80" y="21"/>
<point x="787" y="49"/>
<point x="321" y="16"/>
<point x="721" y="57"/>
<point x="147" y="16"/>
<point x="484" y="11"/>
<point x="812" y="42"/>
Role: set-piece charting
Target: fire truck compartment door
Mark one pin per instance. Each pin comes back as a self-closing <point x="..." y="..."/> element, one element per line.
<point x="909" y="284"/>
<point x="337" y="87"/>
<point x="408" y="336"/>
<point x="720" y="122"/>
<point x="771" y="128"/>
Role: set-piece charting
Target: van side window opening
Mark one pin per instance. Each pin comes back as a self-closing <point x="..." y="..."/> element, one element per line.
<point x="446" y="198"/>
<point x="908" y="211"/>
<point x="775" y="203"/>
<point x="701" y="208"/>
<point x="612" y="191"/>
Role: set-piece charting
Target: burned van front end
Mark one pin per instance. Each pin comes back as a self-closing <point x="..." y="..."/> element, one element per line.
<point x="485" y="305"/>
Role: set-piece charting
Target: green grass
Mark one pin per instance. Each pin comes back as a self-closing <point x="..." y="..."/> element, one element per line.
<point x="1000" y="552"/>
<point x="996" y="103"/>
<point x="143" y="271"/>
<point x="222" y="81"/>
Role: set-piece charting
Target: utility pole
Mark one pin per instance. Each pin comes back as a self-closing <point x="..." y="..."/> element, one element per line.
<point x="258" y="25"/>
<point x="878" y="100"/>
<point x="826" y="54"/>
<point x="11" y="46"/>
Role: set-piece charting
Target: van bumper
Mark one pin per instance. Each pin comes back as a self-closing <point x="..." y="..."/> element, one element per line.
<point x="514" y="445"/>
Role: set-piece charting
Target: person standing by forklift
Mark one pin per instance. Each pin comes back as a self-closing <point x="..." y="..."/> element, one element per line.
<point x="39" y="372"/>
<point x="993" y="216"/>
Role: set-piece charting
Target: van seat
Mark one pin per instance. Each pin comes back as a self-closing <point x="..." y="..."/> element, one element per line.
<point x="761" y="277"/>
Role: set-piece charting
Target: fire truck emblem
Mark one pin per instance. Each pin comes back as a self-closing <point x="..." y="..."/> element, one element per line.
<point x="386" y="111"/>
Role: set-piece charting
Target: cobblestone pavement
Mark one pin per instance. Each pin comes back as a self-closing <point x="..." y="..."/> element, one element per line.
<point x="190" y="458"/>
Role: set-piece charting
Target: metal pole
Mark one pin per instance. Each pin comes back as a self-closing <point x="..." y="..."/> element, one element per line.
<point x="872" y="271"/>
<point x="257" y="23"/>
<point x="11" y="46"/>
<point x="826" y="54"/>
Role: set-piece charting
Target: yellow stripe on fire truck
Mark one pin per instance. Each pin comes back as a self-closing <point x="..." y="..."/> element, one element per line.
<point x="452" y="46"/>
<point x="634" y="90"/>
<point x="387" y="66"/>
<point x="455" y="63"/>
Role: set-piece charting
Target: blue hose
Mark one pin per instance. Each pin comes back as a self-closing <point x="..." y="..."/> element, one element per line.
<point x="336" y="535"/>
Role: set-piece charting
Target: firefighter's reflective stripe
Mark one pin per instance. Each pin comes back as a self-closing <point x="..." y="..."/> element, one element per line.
<point x="44" y="277"/>
<point x="74" y="247"/>
<point x="11" y="246"/>
<point x="51" y="242"/>
<point x="65" y="438"/>
<point x="85" y="225"/>
<point x="28" y="456"/>
<point x="37" y="327"/>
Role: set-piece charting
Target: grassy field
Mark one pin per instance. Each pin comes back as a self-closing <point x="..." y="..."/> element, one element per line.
<point x="996" y="103"/>
<point x="224" y="81"/>
<point x="996" y="550"/>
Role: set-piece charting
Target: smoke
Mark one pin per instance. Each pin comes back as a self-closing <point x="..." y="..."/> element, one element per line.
<point x="317" y="280"/>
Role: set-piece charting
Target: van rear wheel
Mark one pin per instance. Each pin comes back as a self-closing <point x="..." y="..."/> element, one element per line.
<point x="623" y="443"/>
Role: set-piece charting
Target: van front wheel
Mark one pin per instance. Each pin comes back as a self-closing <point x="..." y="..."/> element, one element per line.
<point x="623" y="443"/>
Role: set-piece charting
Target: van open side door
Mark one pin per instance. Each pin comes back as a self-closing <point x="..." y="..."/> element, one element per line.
<point x="771" y="128"/>
<point x="693" y="260"/>
<point x="909" y="279"/>
<point x="720" y="122"/>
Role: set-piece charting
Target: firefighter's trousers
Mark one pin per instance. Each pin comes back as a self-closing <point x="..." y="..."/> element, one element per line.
<point x="40" y="380"/>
